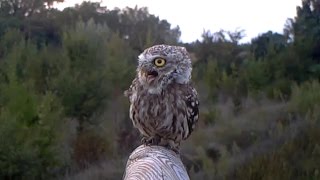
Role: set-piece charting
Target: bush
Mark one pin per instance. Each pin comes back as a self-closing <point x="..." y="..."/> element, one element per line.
<point x="29" y="135"/>
<point x="89" y="148"/>
<point x="295" y="159"/>
<point x="29" y="119"/>
<point x="305" y="98"/>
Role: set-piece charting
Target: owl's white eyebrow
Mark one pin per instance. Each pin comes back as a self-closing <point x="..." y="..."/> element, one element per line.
<point x="144" y="57"/>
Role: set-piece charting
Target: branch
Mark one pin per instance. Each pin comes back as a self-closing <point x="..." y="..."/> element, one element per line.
<point x="154" y="162"/>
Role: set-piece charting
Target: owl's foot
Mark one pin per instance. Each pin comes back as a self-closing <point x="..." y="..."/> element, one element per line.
<point x="158" y="141"/>
<point x="151" y="140"/>
<point x="172" y="146"/>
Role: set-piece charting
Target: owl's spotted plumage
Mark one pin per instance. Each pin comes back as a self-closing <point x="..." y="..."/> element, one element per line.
<point x="164" y="105"/>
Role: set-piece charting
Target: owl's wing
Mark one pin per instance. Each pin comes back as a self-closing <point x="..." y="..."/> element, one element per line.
<point x="128" y="93"/>
<point x="192" y="103"/>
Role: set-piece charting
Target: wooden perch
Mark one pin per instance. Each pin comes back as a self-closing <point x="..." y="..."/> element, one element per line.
<point x="153" y="163"/>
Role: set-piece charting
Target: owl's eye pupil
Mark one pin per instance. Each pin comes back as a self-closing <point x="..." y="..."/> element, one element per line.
<point x="159" y="62"/>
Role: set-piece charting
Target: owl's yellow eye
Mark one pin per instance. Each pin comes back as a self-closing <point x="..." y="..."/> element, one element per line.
<point x="159" y="62"/>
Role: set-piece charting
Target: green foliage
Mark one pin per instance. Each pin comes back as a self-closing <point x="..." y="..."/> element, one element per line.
<point x="9" y="40"/>
<point x="58" y="72"/>
<point x="267" y="44"/>
<point x="211" y="77"/>
<point x="295" y="159"/>
<point x="305" y="98"/>
<point x="219" y="47"/>
<point x="29" y="146"/>
<point x="120" y="63"/>
<point x="63" y="73"/>
<point x="24" y="8"/>
<point x="142" y="29"/>
<point x="305" y="27"/>
<point x="29" y="129"/>
<point x="89" y="148"/>
<point x="210" y="117"/>
<point x="257" y="75"/>
<point x="279" y="89"/>
<point x="82" y="89"/>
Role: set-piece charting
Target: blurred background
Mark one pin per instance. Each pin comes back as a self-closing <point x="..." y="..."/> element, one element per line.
<point x="64" y="67"/>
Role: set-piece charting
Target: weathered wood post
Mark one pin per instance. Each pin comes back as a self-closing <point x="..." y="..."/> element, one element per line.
<point x="153" y="163"/>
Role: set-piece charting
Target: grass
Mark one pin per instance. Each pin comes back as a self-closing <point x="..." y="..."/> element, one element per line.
<point x="264" y="140"/>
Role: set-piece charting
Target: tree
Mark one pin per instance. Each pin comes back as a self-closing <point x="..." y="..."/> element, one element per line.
<point x="267" y="44"/>
<point x="25" y="8"/>
<point x="82" y="83"/>
<point x="29" y="119"/>
<point x="306" y="35"/>
<point x="142" y="29"/>
<point x="221" y="46"/>
<point x="307" y="29"/>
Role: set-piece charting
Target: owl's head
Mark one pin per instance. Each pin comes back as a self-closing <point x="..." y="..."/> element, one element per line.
<point x="161" y="65"/>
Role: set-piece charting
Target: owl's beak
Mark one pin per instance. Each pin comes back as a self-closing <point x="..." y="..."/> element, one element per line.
<point x="152" y="74"/>
<point x="149" y="75"/>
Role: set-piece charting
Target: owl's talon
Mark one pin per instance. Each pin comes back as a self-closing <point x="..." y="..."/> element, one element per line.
<point x="155" y="140"/>
<point x="151" y="140"/>
<point x="176" y="150"/>
<point x="144" y="140"/>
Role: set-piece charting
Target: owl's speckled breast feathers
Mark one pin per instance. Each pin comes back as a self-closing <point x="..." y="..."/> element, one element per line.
<point x="164" y="105"/>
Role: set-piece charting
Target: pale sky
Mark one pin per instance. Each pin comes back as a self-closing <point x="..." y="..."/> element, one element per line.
<point x="254" y="16"/>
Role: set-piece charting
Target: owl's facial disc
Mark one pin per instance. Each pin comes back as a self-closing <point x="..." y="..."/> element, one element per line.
<point x="150" y="71"/>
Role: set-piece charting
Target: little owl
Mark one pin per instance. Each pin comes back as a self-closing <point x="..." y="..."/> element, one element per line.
<point x="164" y="105"/>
